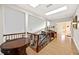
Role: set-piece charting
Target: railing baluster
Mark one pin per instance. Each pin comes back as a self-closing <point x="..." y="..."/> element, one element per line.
<point x="6" y="37"/>
<point x="14" y="36"/>
<point x="11" y="37"/>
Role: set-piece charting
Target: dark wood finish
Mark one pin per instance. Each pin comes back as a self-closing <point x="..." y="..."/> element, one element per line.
<point x="15" y="44"/>
<point x="14" y="47"/>
<point x="52" y="33"/>
<point x="41" y="44"/>
<point x="35" y="38"/>
<point x="37" y="44"/>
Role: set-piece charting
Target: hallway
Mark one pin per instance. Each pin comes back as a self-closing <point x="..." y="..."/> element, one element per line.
<point x="44" y="23"/>
<point x="59" y="46"/>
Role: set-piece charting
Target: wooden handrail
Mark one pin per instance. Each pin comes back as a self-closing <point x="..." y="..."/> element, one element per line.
<point x="36" y="37"/>
<point x="32" y="33"/>
<point x="14" y="36"/>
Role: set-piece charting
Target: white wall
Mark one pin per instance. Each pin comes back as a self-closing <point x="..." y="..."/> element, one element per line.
<point x="1" y="25"/>
<point x="64" y="28"/>
<point x="75" y="32"/>
<point x="14" y="21"/>
<point x="52" y="23"/>
<point x="35" y="24"/>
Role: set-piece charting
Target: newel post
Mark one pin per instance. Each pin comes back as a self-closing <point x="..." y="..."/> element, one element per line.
<point x="37" y="43"/>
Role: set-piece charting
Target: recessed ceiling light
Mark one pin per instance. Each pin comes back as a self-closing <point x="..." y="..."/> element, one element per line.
<point x="34" y="5"/>
<point x="57" y="10"/>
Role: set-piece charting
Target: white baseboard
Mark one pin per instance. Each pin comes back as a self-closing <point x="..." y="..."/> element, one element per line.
<point x="77" y="47"/>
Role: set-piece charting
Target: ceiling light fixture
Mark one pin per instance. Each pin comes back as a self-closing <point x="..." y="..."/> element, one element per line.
<point x="57" y="10"/>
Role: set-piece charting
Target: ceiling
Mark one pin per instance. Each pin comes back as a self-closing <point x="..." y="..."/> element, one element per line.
<point x="41" y="9"/>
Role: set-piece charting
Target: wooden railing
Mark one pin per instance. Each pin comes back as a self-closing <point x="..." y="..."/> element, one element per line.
<point x="8" y="37"/>
<point x="38" y="43"/>
<point x="43" y="42"/>
<point x="33" y="39"/>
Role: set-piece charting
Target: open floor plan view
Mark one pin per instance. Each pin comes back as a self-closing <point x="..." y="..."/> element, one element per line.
<point x="40" y="29"/>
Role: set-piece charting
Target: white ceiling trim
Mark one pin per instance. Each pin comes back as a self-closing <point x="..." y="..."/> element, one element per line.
<point x="42" y="15"/>
<point x="57" y="10"/>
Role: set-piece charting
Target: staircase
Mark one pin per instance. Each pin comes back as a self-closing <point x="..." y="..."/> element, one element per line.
<point x="39" y="41"/>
